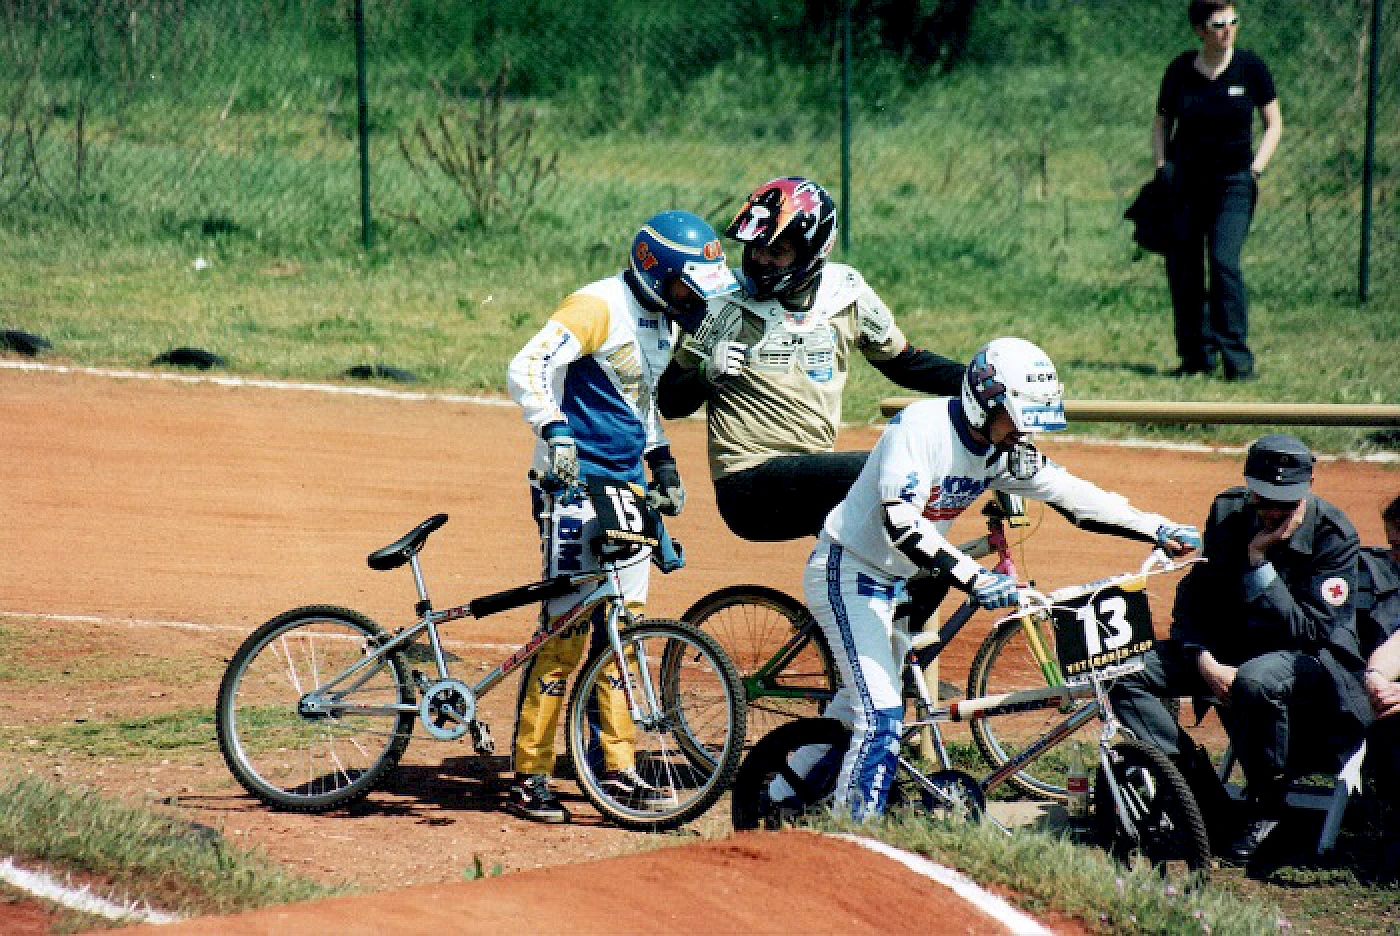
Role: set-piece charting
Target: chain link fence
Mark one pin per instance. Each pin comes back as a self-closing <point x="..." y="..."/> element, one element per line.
<point x="981" y="130"/>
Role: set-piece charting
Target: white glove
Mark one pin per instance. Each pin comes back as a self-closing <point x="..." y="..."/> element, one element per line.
<point x="563" y="458"/>
<point x="994" y="590"/>
<point x="728" y="359"/>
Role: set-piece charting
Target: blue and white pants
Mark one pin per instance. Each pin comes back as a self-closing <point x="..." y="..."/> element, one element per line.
<point x="854" y="604"/>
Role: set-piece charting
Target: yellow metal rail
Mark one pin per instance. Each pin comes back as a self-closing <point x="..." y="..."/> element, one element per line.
<point x="1220" y="414"/>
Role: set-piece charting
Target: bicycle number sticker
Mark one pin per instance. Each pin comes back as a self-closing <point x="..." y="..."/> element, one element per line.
<point x="1106" y="627"/>
<point x="621" y="515"/>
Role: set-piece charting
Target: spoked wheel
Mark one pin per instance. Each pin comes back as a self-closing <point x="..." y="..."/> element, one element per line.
<point x="297" y="751"/>
<point x="670" y="767"/>
<point x="1164" y="825"/>
<point x="789" y="773"/>
<point x="779" y="651"/>
<point x="1005" y="663"/>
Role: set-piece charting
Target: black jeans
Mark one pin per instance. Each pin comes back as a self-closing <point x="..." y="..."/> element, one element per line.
<point x="787" y="497"/>
<point x="1213" y="220"/>
<point x="1282" y="716"/>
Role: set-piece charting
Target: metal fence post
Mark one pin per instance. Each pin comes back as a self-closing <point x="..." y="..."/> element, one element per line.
<point x="366" y="231"/>
<point x="846" y="127"/>
<point x="1368" y="166"/>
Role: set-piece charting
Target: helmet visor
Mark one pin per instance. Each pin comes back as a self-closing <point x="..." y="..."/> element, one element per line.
<point x="709" y="279"/>
<point x="1039" y="410"/>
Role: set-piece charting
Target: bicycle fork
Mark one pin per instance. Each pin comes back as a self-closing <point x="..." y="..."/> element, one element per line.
<point x="644" y="717"/>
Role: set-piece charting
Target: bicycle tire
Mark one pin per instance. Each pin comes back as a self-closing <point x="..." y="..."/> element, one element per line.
<point x="702" y="701"/>
<point x="301" y="763"/>
<point x="1003" y="664"/>
<point x="1173" y="831"/>
<point x="750" y="803"/>
<point x="753" y="623"/>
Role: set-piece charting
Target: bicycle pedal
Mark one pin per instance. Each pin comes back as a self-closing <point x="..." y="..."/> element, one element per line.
<point x="481" y="738"/>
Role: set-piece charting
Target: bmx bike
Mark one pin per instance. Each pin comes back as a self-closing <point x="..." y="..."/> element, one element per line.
<point x="1143" y="807"/>
<point x="787" y="670"/>
<point x="317" y="706"/>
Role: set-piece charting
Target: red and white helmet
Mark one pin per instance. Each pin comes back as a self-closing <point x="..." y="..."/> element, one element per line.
<point x="794" y="207"/>
<point x="1013" y="374"/>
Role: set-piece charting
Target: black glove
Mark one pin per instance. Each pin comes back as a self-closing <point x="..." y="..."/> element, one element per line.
<point x="665" y="493"/>
<point x="1166" y="174"/>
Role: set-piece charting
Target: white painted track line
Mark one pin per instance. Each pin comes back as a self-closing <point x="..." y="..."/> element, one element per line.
<point x="47" y="887"/>
<point x="962" y="885"/>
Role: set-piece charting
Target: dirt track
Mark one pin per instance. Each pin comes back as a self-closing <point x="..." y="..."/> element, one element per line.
<point x="170" y="519"/>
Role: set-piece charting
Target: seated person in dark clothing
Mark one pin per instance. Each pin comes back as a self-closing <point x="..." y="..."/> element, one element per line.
<point x="1266" y="626"/>
<point x="1378" y="621"/>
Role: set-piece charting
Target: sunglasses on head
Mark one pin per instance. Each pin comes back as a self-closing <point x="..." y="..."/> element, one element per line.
<point x="1223" y="22"/>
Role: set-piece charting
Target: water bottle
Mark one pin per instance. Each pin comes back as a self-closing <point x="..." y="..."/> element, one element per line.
<point x="1077" y="806"/>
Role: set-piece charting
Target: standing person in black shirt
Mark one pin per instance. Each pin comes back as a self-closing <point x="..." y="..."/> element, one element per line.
<point x="1202" y="146"/>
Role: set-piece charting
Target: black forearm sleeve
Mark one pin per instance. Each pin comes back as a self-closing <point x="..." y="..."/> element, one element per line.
<point x="681" y="391"/>
<point x="1095" y="526"/>
<point x="923" y="371"/>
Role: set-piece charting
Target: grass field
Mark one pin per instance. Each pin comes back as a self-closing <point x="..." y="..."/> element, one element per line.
<point x="221" y="211"/>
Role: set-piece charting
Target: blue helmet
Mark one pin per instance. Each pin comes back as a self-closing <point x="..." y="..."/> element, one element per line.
<point x="679" y="245"/>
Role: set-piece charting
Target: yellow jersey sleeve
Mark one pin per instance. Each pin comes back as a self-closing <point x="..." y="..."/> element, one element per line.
<point x="587" y="318"/>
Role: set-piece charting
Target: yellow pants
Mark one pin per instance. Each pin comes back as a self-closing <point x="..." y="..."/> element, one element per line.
<point x="564" y="538"/>
<point x="542" y="688"/>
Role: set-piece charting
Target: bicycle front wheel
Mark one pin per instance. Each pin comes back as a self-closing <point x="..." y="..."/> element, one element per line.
<point x="806" y="755"/>
<point x="1004" y="663"/>
<point x="313" y="758"/>
<point x="674" y="762"/>
<point x="779" y="651"/>
<point x="1162" y="822"/>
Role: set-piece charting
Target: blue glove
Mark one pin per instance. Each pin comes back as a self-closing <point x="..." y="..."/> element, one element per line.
<point x="1188" y="536"/>
<point x="563" y="452"/>
<point x="994" y="590"/>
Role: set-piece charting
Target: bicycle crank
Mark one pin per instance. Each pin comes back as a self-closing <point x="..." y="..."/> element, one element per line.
<point x="447" y="709"/>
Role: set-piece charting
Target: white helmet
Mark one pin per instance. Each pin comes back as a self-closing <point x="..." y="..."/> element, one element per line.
<point x="1014" y="374"/>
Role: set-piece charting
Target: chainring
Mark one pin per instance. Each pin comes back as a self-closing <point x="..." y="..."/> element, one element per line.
<point x="447" y="709"/>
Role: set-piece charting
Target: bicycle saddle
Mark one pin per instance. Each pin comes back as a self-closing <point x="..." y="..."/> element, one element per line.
<point x="398" y="553"/>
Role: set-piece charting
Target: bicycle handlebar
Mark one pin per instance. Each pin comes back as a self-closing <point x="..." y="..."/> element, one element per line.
<point x="1031" y="601"/>
<point x="668" y="555"/>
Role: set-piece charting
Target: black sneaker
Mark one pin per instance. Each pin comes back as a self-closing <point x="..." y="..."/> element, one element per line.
<point x="628" y="788"/>
<point x="1247" y="842"/>
<point x="531" y="798"/>
<point x="1192" y="369"/>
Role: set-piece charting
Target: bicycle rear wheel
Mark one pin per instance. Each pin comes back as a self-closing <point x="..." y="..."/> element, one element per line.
<point x="311" y="762"/>
<point x="780" y="653"/>
<point x="1168" y="829"/>
<point x="688" y="743"/>
<point x="1005" y="663"/>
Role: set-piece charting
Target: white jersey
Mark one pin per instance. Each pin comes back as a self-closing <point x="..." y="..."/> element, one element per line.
<point x="595" y="365"/>
<point x="927" y="459"/>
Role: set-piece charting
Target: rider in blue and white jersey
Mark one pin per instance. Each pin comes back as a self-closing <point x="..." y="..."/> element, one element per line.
<point x="933" y="461"/>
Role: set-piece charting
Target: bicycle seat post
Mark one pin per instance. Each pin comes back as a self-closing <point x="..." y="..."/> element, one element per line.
<point x="424" y="604"/>
<point x="424" y="608"/>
